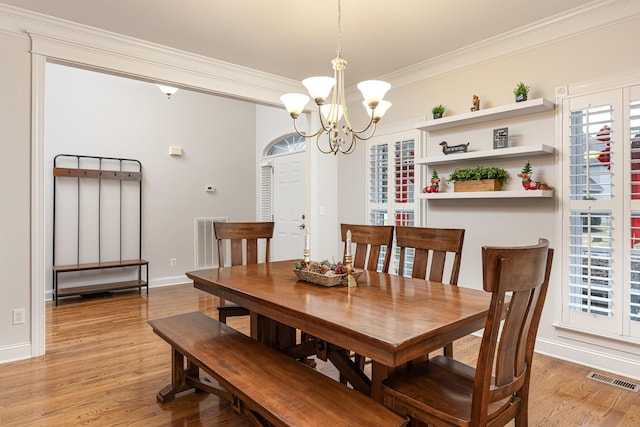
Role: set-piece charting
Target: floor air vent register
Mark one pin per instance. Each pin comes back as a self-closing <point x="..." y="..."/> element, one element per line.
<point x="614" y="381"/>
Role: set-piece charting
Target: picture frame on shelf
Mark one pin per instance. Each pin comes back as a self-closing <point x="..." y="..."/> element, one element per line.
<point x="501" y="138"/>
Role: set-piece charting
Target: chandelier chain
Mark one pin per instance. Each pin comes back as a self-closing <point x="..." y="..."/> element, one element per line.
<point x="339" y="47"/>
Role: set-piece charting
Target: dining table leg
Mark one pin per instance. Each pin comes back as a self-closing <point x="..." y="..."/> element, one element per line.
<point x="379" y="373"/>
<point x="272" y="333"/>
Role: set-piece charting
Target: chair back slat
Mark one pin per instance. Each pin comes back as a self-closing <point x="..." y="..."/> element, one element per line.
<point x="431" y="245"/>
<point x="506" y="350"/>
<point x="370" y="240"/>
<point x="244" y="237"/>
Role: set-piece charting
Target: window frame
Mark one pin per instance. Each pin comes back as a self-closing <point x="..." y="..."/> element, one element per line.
<point x="619" y="325"/>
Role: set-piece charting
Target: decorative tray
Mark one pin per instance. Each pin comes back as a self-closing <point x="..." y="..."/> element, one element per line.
<point x="324" y="279"/>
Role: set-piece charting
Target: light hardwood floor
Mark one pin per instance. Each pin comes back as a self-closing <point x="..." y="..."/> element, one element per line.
<point x="104" y="366"/>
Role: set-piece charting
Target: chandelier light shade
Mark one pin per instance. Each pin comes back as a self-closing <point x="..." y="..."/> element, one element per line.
<point x="168" y="90"/>
<point x="329" y="95"/>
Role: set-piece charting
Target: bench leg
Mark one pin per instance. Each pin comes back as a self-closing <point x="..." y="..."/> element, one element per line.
<point x="179" y="377"/>
<point x="184" y="380"/>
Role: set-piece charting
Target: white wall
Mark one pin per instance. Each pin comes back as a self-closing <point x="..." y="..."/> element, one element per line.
<point x="15" y="174"/>
<point x="99" y="114"/>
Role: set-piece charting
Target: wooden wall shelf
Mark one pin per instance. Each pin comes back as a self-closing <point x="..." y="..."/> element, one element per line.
<point x="487" y="195"/>
<point x="504" y="153"/>
<point x="532" y="106"/>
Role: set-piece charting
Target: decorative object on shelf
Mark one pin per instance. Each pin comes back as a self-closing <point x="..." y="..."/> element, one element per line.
<point x="460" y="148"/>
<point x="501" y="138"/>
<point x="479" y="178"/>
<point x="434" y="185"/>
<point x="476" y="103"/>
<point x="438" y="111"/>
<point x="319" y="88"/>
<point x="326" y="274"/>
<point x="529" y="184"/>
<point x="521" y="91"/>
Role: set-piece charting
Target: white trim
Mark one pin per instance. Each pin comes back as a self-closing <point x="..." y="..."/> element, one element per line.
<point x="593" y="359"/>
<point x="81" y="44"/>
<point x="74" y="43"/>
<point x="589" y="87"/>
<point x="38" y="238"/>
<point x="155" y="283"/>
<point x="14" y="352"/>
<point x="595" y="14"/>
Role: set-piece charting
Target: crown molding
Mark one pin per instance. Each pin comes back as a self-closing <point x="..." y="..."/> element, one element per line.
<point x="69" y="42"/>
<point x="595" y="14"/>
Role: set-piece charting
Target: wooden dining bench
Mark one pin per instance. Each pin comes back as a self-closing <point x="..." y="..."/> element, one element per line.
<point x="266" y="385"/>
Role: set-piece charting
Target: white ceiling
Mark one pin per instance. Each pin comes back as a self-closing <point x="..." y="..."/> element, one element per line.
<point x="297" y="39"/>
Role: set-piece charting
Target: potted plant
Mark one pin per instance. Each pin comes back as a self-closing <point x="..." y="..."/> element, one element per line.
<point x="438" y="111"/>
<point x="479" y="178"/>
<point x="521" y="91"/>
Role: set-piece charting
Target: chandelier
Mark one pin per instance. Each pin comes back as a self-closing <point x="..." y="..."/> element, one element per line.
<point x="340" y="138"/>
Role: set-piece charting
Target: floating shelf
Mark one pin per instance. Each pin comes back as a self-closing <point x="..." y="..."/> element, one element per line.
<point x="504" y="153"/>
<point x="532" y="106"/>
<point x="487" y="195"/>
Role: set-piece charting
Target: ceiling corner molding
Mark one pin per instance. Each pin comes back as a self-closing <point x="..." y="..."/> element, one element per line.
<point x="69" y="42"/>
<point x="595" y="14"/>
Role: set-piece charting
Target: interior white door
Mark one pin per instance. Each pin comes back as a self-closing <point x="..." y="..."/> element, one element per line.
<point x="288" y="206"/>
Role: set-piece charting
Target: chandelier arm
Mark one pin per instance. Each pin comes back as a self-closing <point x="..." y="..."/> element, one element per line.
<point x="333" y="147"/>
<point x="351" y="147"/>
<point x="304" y="135"/>
<point x="366" y="128"/>
<point x="365" y="138"/>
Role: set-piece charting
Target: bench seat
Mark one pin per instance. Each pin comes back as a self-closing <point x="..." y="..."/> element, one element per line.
<point x="268" y="386"/>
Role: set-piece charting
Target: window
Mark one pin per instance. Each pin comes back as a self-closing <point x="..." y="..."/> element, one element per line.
<point x="391" y="198"/>
<point x="289" y="144"/>
<point x="601" y="211"/>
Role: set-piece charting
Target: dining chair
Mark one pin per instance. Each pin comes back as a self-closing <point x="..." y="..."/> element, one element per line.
<point x="444" y="391"/>
<point x="431" y="249"/>
<point x="370" y="241"/>
<point x="243" y="238"/>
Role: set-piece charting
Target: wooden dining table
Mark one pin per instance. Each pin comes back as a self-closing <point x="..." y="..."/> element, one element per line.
<point x="387" y="318"/>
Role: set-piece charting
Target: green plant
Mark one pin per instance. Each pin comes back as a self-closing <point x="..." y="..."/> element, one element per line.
<point x="478" y="173"/>
<point x="521" y="89"/>
<point x="438" y="109"/>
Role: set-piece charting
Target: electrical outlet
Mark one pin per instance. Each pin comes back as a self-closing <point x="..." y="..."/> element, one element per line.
<point x="18" y="316"/>
<point x="173" y="262"/>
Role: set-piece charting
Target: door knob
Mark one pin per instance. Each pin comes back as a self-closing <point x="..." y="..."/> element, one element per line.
<point x="301" y="226"/>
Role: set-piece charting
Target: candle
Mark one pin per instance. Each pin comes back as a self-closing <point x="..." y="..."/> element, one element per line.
<point x="306" y="241"/>
<point x="348" y="242"/>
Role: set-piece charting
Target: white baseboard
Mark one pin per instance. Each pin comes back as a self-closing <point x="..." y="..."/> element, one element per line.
<point x="154" y="283"/>
<point x="596" y="360"/>
<point x="168" y="281"/>
<point x="14" y="352"/>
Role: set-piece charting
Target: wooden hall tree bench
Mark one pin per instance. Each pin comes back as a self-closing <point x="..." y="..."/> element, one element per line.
<point x="266" y="385"/>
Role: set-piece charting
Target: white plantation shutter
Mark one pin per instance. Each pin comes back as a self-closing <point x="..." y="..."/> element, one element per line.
<point x="601" y="211"/>
<point x="634" y="207"/>
<point x="391" y="172"/>
<point x="266" y="192"/>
